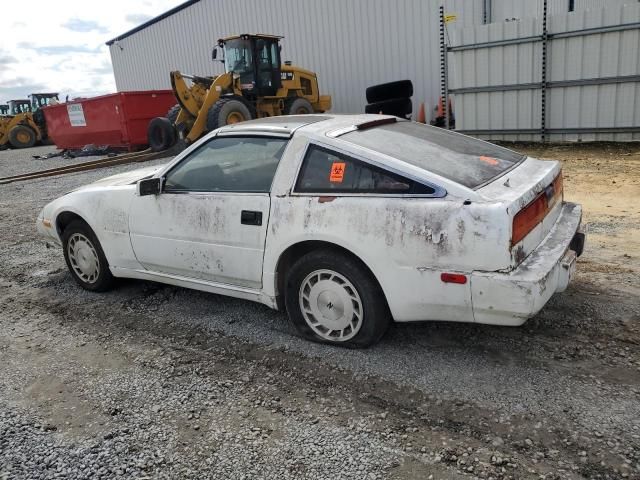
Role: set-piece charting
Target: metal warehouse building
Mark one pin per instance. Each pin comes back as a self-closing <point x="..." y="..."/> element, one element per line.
<point x="514" y="69"/>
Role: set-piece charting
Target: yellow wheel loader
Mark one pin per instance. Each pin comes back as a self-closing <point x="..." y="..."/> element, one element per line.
<point x="255" y="84"/>
<point x="24" y="125"/>
<point x="18" y="129"/>
<point x="38" y="101"/>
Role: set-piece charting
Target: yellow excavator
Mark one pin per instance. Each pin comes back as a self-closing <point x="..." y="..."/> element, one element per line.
<point x="255" y="84"/>
<point x="24" y="125"/>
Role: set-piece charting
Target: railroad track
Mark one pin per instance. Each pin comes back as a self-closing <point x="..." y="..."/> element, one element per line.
<point x="143" y="156"/>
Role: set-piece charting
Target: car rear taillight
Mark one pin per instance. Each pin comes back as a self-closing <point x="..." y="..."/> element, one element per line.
<point x="530" y="216"/>
<point x="558" y="186"/>
<point x="453" y="278"/>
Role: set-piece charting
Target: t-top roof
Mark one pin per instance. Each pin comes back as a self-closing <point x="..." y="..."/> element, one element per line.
<point x="281" y="124"/>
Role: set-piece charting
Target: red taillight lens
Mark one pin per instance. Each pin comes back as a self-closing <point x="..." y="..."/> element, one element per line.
<point x="527" y="218"/>
<point x="453" y="278"/>
<point x="530" y="216"/>
<point x="558" y="187"/>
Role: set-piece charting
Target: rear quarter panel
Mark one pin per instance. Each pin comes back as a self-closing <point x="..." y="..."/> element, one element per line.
<point x="406" y="242"/>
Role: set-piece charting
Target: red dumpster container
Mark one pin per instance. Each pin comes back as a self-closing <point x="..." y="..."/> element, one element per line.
<point x="119" y="120"/>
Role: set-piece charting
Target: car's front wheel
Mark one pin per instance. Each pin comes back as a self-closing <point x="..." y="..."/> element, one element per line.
<point x="85" y="258"/>
<point x="332" y="298"/>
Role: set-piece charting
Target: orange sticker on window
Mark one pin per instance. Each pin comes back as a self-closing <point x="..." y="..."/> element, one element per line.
<point x="489" y="160"/>
<point x="337" y="172"/>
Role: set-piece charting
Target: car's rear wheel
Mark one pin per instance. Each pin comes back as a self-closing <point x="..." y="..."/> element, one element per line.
<point x="332" y="298"/>
<point x="85" y="259"/>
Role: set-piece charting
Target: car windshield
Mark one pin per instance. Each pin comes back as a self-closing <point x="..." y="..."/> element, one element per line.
<point x="237" y="56"/>
<point x="465" y="160"/>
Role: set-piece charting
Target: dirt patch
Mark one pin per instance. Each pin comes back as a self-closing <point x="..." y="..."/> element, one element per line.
<point x="605" y="179"/>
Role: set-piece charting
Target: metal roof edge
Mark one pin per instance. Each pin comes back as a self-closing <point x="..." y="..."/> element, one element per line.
<point x="148" y="23"/>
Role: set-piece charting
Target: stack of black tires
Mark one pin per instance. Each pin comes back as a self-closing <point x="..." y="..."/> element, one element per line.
<point x="393" y="98"/>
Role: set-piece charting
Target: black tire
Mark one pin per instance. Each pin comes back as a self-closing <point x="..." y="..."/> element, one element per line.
<point x="374" y="312"/>
<point x="387" y="91"/>
<point x="399" y="107"/>
<point x="172" y="114"/>
<point x="298" y="106"/>
<point x="22" y="136"/>
<point x="161" y="134"/>
<point x="226" y="109"/>
<point x="74" y="232"/>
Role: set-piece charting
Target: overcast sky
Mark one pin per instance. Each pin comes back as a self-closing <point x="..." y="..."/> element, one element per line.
<point x="60" y="46"/>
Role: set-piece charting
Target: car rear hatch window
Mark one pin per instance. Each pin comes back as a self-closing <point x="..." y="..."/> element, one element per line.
<point x="465" y="160"/>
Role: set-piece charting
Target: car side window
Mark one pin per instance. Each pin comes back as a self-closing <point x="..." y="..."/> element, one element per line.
<point x="228" y="164"/>
<point x="326" y="171"/>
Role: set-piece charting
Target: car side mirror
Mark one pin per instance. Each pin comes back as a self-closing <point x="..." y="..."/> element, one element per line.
<point x="149" y="186"/>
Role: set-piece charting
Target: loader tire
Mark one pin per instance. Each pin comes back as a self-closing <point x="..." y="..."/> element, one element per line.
<point x="227" y="111"/>
<point x="22" y="136"/>
<point x="298" y="106"/>
<point x="172" y="114"/>
<point x="388" y="91"/>
<point x="161" y="134"/>
<point x="399" y="107"/>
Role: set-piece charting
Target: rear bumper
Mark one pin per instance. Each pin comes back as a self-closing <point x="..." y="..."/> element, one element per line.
<point x="511" y="298"/>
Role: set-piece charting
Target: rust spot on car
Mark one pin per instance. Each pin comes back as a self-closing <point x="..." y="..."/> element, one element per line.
<point x="519" y="254"/>
<point x="326" y="199"/>
<point x="461" y="228"/>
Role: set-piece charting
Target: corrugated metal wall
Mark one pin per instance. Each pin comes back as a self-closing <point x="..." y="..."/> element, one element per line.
<point x="599" y="55"/>
<point x="496" y="66"/>
<point x="350" y="44"/>
<point x="507" y="9"/>
<point x="595" y="4"/>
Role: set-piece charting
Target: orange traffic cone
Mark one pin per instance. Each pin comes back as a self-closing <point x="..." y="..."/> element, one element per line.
<point x="422" y="116"/>
<point x="440" y="108"/>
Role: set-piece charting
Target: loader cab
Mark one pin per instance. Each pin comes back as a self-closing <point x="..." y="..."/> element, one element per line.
<point x="16" y="107"/>
<point x="256" y="59"/>
<point x="39" y="100"/>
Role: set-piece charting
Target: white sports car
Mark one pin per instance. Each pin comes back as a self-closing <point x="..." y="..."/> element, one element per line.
<point x="348" y="222"/>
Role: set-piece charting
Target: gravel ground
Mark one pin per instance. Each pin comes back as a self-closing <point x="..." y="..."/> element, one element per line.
<point x="153" y="381"/>
<point x="17" y="162"/>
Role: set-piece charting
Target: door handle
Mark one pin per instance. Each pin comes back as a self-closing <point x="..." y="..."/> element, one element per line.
<point x="250" y="217"/>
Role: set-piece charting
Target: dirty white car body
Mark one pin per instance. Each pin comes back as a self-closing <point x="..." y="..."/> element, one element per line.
<point x="439" y="249"/>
